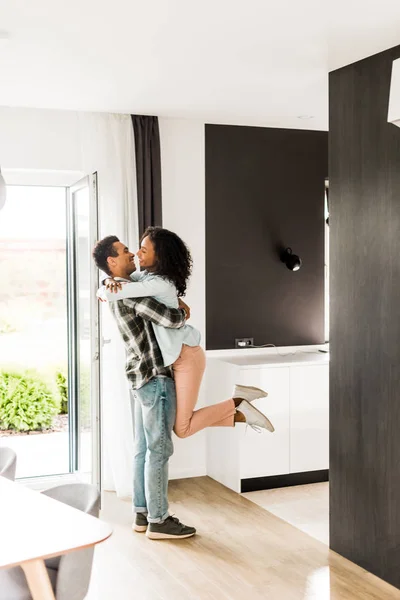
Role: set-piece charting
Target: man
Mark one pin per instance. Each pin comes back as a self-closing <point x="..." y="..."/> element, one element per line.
<point x="154" y="403"/>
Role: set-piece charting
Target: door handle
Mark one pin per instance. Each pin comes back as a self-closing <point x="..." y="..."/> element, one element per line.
<point x="105" y="341"/>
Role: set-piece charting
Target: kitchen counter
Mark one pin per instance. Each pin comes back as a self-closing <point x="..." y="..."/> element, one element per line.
<point x="274" y="357"/>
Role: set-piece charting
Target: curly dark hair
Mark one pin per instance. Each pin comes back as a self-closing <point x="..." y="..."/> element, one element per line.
<point x="173" y="258"/>
<point x="102" y="250"/>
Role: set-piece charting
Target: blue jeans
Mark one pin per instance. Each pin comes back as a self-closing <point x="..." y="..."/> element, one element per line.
<point x="154" y="410"/>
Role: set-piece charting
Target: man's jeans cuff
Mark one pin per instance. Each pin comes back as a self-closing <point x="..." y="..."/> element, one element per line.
<point x="159" y="519"/>
<point x="141" y="510"/>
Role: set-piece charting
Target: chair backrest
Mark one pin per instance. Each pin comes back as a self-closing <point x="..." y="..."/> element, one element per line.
<point x="74" y="569"/>
<point x="8" y="462"/>
<point x="83" y="496"/>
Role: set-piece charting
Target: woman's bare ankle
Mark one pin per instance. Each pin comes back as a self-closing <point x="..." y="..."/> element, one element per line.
<point x="239" y="417"/>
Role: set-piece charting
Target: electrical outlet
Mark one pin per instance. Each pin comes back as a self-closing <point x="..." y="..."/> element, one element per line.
<point x="244" y="342"/>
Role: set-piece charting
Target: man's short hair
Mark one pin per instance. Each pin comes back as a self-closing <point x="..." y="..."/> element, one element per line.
<point x="102" y="250"/>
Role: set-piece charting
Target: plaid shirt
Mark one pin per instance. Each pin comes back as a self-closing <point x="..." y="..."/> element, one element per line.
<point x="143" y="356"/>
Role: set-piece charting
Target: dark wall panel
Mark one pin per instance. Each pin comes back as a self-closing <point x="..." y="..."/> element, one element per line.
<point x="364" y="171"/>
<point x="264" y="191"/>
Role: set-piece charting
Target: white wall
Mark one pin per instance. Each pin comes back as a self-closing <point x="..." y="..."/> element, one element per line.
<point x="183" y="190"/>
<point x="394" y="98"/>
<point x="39" y="139"/>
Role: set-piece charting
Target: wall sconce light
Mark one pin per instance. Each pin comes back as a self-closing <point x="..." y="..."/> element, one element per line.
<point x="3" y="191"/>
<point x="292" y="261"/>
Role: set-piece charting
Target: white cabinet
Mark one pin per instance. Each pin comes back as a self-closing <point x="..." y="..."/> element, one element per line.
<point x="297" y="405"/>
<point x="263" y="454"/>
<point x="309" y="418"/>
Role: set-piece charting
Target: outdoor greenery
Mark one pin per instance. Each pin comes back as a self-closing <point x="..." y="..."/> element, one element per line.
<point x="27" y="402"/>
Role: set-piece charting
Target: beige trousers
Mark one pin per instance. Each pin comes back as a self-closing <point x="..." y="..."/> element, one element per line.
<point x="188" y="373"/>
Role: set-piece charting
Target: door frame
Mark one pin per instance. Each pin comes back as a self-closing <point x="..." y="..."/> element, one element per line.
<point x="89" y="181"/>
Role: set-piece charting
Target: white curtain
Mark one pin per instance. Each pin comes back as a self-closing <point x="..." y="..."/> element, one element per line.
<point x="107" y="144"/>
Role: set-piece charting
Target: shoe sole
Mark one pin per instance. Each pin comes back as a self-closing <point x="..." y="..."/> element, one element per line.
<point x="263" y="394"/>
<point x="154" y="535"/>
<point x="271" y="428"/>
<point x="139" y="528"/>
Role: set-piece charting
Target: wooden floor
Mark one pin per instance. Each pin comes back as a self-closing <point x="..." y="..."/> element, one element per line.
<point x="304" y="506"/>
<point x="241" y="552"/>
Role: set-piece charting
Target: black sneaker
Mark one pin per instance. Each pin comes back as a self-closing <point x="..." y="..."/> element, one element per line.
<point x="140" y="523"/>
<point x="170" y="529"/>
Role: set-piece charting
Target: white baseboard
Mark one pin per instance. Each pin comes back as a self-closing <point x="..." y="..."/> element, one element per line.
<point x="173" y="474"/>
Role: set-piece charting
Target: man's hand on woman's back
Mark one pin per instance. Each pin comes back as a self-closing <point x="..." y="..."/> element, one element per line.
<point x="112" y="285"/>
<point x="185" y="307"/>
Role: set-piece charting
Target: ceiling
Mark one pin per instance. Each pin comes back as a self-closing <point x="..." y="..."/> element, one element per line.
<point x="223" y="61"/>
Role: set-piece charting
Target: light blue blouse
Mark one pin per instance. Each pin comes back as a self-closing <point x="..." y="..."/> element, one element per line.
<point x="146" y="284"/>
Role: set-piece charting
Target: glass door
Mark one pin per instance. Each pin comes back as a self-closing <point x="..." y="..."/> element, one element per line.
<point x="33" y="330"/>
<point x="83" y="332"/>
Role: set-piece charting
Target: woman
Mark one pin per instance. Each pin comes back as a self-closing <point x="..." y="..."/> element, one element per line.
<point x="166" y="265"/>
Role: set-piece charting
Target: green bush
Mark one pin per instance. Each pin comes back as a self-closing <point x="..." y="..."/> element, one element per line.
<point x="62" y="388"/>
<point x="26" y="402"/>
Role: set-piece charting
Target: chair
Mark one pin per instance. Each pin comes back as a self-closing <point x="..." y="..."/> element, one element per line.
<point x="8" y="462"/>
<point x="70" y="573"/>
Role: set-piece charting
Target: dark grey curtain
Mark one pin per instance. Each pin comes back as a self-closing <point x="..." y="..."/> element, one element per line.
<point x="148" y="170"/>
